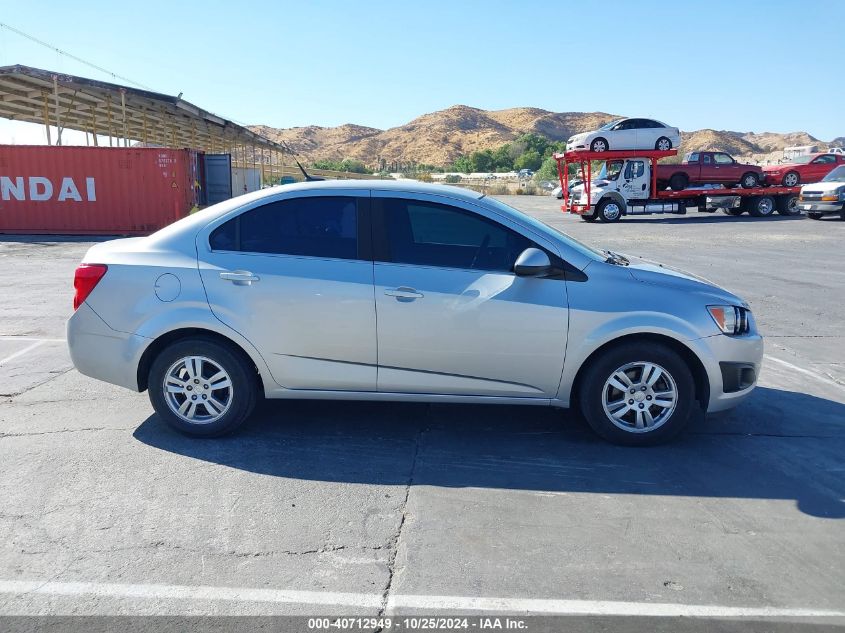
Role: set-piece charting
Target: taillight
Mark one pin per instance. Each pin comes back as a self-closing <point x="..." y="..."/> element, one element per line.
<point x="85" y="279"/>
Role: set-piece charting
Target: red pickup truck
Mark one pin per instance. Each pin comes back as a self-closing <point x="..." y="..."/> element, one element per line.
<point x="700" y="168"/>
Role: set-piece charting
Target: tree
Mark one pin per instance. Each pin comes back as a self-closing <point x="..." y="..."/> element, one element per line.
<point x="462" y="164"/>
<point x="548" y="170"/>
<point x="482" y="161"/>
<point x="529" y="160"/>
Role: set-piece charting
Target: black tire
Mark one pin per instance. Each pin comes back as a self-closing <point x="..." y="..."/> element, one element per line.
<point x="791" y="179"/>
<point x="788" y="205"/>
<point x="589" y="218"/>
<point x="665" y="142"/>
<point x="761" y="206"/>
<point x="592" y="388"/>
<point x="597" y="142"/>
<point x="734" y="212"/>
<point x="241" y="398"/>
<point x="678" y="182"/>
<point x="750" y="180"/>
<point x="814" y="216"/>
<point x="609" y="210"/>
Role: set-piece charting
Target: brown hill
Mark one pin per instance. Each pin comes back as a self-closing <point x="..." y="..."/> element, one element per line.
<point x="438" y="138"/>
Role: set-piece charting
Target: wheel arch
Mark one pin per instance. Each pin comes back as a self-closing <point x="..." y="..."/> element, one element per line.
<point x="616" y="197"/>
<point x="699" y="373"/>
<point x="168" y="338"/>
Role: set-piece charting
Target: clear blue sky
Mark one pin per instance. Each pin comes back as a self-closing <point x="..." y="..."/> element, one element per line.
<point x="691" y="64"/>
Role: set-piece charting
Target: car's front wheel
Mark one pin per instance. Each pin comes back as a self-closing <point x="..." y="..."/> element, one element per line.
<point x="663" y="144"/>
<point x="599" y="145"/>
<point x="202" y="387"/>
<point x="637" y="394"/>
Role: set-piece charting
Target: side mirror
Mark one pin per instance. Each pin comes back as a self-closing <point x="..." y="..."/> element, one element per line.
<point x="532" y="262"/>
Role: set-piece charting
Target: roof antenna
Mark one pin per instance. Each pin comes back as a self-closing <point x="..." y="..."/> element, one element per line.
<point x="305" y="173"/>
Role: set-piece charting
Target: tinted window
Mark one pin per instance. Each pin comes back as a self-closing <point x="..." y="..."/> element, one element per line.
<point x="628" y="124"/>
<point x="314" y="227"/>
<point x="430" y="234"/>
<point x="693" y="157"/>
<point x="706" y="159"/>
<point x="650" y="124"/>
<point x="723" y="159"/>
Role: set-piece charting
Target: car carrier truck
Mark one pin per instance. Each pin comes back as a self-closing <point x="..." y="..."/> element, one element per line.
<point x="626" y="184"/>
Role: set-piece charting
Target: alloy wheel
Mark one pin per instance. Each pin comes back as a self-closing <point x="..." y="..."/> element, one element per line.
<point x="197" y="389"/>
<point x="639" y="397"/>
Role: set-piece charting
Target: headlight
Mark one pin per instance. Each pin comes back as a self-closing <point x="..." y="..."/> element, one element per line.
<point x="730" y="319"/>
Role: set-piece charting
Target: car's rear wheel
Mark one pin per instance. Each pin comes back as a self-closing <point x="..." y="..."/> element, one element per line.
<point x="750" y="180"/>
<point x="761" y="206"/>
<point x="678" y="182"/>
<point x="790" y="179"/>
<point x="637" y="394"/>
<point x="788" y="205"/>
<point x="202" y="387"/>
<point x="663" y="144"/>
<point x="599" y="145"/>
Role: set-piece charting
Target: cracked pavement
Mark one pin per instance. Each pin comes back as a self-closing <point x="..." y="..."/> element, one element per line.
<point x="404" y="499"/>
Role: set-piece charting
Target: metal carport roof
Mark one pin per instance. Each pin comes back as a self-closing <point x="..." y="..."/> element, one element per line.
<point x="119" y="112"/>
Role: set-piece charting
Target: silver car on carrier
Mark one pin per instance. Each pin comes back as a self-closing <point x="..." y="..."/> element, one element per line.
<point x="384" y="290"/>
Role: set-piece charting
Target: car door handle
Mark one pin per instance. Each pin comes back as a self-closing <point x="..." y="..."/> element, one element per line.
<point x="239" y="277"/>
<point x="403" y="293"/>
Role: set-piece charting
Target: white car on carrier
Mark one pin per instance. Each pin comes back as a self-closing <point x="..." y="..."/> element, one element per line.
<point x="627" y="134"/>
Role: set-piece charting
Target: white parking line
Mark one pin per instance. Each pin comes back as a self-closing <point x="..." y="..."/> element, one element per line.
<point x="430" y="603"/>
<point x="21" y="352"/>
<point x="806" y="372"/>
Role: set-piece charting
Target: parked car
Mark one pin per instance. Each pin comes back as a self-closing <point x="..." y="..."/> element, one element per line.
<point x="378" y="290"/>
<point x="835" y="150"/>
<point x="803" y="169"/>
<point x="523" y="174"/>
<point x="826" y="197"/>
<point x="708" y="167"/>
<point x="627" y="134"/>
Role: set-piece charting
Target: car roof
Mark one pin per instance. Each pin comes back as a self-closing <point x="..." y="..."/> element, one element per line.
<point x="196" y="220"/>
<point x="409" y="186"/>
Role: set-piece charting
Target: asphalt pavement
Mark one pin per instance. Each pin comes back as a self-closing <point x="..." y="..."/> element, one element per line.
<point x="380" y="508"/>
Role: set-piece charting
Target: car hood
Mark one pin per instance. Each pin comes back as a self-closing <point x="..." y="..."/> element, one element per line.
<point x="823" y="187"/>
<point x="649" y="272"/>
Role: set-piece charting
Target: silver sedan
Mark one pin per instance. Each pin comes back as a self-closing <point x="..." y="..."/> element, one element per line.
<point x="379" y="290"/>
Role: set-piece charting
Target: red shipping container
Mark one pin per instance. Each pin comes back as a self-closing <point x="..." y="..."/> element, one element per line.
<point x="94" y="190"/>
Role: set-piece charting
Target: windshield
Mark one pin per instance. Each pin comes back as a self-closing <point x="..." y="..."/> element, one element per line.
<point x="611" y="170"/>
<point x="837" y="175"/>
<point x="607" y="126"/>
<point x="542" y="227"/>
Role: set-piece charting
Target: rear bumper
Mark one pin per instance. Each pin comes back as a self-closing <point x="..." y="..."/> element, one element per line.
<point x="101" y="352"/>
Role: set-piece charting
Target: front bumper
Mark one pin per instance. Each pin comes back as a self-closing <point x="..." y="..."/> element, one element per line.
<point x="721" y="356"/>
<point x="821" y="207"/>
<point x="101" y="352"/>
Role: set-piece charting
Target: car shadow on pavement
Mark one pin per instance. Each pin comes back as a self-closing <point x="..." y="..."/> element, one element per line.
<point x="779" y="445"/>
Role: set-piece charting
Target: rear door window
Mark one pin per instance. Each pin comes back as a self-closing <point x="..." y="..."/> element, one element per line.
<point x="325" y="227"/>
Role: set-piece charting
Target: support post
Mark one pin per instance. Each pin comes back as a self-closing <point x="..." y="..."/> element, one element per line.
<point x="58" y="116"/>
<point x="47" y="119"/>
<point x="123" y="115"/>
